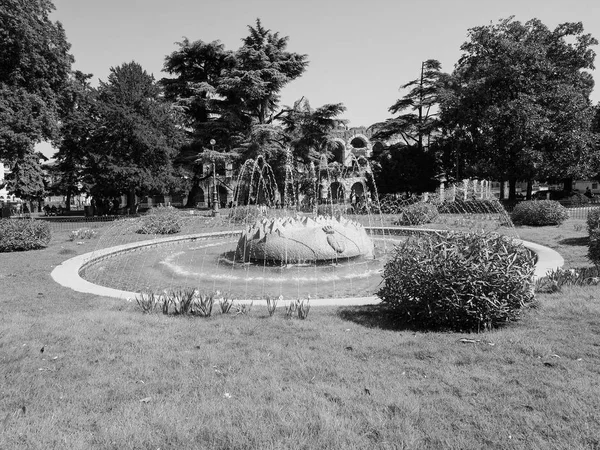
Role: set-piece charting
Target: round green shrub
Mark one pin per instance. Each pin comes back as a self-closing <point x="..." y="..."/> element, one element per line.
<point x="593" y="220"/>
<point x="459" y="281"/>
<point x="161" y="220"/>
<point x="245" y="214"/>
<point x="23" y="234"/>
<point x="594" y="247"/>
<point x="539" y="213"/>
<point x="417" y="214"/>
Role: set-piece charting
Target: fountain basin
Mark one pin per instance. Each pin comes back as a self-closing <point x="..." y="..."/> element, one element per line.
<point x="303" y="239"/>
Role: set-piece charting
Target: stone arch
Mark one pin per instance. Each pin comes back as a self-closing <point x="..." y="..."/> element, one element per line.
<point x="357" y="192"/>
<point x="338" y="148"/>
<point x="360" y="141"/>
<point x="336" y="192"/>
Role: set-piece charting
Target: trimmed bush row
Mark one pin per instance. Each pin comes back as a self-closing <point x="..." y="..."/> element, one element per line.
<point x="459" y="281"/>
<point x="539" y="213"/>
<point x="23" y="234"/>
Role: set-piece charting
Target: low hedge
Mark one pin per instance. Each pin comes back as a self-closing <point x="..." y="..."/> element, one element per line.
<point x="417" y="214"/>
<point x="471" y="207"/>
<point x="23" y="234"/>
<point x="458" y="281"/>
<point x="539" y="213"/>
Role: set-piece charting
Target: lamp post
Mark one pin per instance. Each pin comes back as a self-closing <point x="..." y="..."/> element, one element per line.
<point x="215" y="199"/>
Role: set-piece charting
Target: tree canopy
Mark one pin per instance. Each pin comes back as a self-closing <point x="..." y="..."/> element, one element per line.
<point x="415" y="126"/>
<point x="34" y="68"/>
<point x="134" y="137"/>
<point x="517" y="105"/>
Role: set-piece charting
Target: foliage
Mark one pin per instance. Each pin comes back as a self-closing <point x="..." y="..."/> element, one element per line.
<point x="272" y="304"/>
<point x="556" y="279"/>
<point x="160" y="220"/>
<point x="400" y="168"/>
<point x="23" y="234"/>
<point x="233" y="98"/>
<point x="134" y="139"/>
<point x="395" y="203"/>
<point x="459" y="206"/>
<point x="26" y="179"/>
<point x="34" y="65"/>
<point x="517" y="105"/>
<point x="334" y="209"/>
<point x="82" y="233"/>
<point x="416" y="127"/>
<point x="243" y="308"/>
<point x="187" y="301"/>
<point x="303" y="308"/>
<point x="539" y="213"/>
<point x="77" y="123"/>
<point x="593" y="220"/>
<point x="245" y="214"/>
<point x="417" y="214"/>
<point x="594" y="247"/>
<point x="460" y="281"/>
<point x="225" y="304"/>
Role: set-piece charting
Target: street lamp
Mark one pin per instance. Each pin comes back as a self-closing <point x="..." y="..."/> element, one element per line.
<point x="215" y="199"/>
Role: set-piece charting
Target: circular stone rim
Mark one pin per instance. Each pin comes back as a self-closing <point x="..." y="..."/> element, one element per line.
<point x="67" y="273"/>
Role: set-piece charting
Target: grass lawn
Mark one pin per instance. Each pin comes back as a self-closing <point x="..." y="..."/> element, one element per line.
<point x="81" y="371"/>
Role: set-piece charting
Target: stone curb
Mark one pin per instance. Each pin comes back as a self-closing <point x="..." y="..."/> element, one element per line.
<point x="67" y="273"/>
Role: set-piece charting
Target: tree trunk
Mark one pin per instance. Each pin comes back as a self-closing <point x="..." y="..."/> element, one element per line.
<point x="568" y="184"/>
<point x="512" y="189"/>
<point x="68" y="201"/>
<point x="529" y="189"/>
<point x="131" y="201"/>
<point x="502" y="184"/>
<point x="191" y="200"/>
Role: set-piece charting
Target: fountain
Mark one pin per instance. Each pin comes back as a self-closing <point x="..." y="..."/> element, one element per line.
<point x="304" y="240"/>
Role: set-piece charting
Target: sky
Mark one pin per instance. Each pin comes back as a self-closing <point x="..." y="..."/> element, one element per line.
<point x="359" y="52"/>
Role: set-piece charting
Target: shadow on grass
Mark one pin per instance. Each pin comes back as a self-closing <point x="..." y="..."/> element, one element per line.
<point x="583" y="241"/>
<point x="376" y="316"/>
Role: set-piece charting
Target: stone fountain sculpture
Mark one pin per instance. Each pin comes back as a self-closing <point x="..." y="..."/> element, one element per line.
<point x="303" y="239"/>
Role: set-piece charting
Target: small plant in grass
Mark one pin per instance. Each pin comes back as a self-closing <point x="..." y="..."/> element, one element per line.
<point x="539" y="213"/>
<point x="82" y="233"/>
<point x="161" y="220"/>
<point x="225" y="305"/>
<point x="290" y="309"/>
<point x="303" y="307"/>
<point x="149" y="302"/>
<point x="556" y="279"/>
<point x="460" y="281"/>
<point x="243" y="308"/>
<point x="23" y="234"/>
<point x="417" y="214"/>
<point x="272" y="304"/>
<point x="203" y="304"/>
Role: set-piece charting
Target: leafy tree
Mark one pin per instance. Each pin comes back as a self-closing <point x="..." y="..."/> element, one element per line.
<point x="34" y="67"/>
<point x="26" y="179"/>
<point x="232" y="96"/>
<point x="403" y="168"/>
<point x="134" y="139"/>
<point x="77" y="122"/>
<point x="416" y="126"/>
<point x="517" y="105"/>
